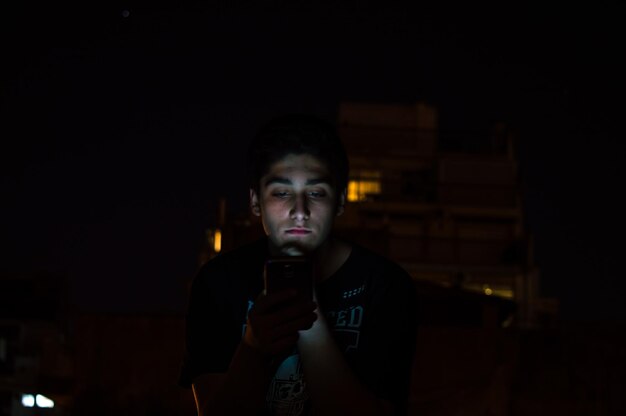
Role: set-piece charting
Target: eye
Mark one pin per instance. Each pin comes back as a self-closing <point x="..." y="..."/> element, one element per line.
<point x="280" y="194"/>
<point x="317" y="194"/>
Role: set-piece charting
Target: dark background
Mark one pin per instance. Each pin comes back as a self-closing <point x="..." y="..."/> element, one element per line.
<point x="122" y="125"/>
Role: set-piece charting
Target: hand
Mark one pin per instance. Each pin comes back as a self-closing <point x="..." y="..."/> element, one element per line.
<point x="274" y="322"/>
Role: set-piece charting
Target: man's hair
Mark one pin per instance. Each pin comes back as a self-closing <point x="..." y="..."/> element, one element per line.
<point x="297" y="134"/>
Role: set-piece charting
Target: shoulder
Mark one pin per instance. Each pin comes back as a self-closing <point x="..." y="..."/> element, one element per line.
<point x="377" y="263"/>
<point x="382" y="272"/>
<point x="389" y="289"/>
<point x="237" y="263"/>
<point x="247" y="252"/>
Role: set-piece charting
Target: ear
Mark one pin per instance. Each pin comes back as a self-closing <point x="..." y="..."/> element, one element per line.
<point x="342" y="202"/>
<point x="255" y="205"/>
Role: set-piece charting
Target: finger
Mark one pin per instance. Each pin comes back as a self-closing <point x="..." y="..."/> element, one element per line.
<point x="282" y="312"/>
<point x="270" y="301"/>
<point x="267" y="331"/>
<point x="297" y="309"/>
<point x="284" y="315"/>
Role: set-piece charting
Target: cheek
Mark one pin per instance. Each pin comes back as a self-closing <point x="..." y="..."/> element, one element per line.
<point x="273" y="213"/>
<point x="325" y="214"/>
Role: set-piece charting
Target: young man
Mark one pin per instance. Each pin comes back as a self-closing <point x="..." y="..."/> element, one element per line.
<point x="346" y="352"/>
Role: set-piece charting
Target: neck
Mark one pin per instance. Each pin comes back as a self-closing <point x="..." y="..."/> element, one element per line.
<point x="326" y="259"/>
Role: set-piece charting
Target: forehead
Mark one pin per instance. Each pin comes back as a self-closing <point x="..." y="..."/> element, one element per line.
<point x="298" y="164"/>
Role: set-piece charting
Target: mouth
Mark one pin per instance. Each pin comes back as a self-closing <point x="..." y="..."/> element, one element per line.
<point x="298" y="231"/>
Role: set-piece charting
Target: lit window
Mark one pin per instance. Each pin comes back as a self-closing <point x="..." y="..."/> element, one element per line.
<point x="43" y="401"/>
<point x="217" y="241"/>
<point x="28" y="400"/>
<point x="214" y="239"/>
<point x="363" y="184"/>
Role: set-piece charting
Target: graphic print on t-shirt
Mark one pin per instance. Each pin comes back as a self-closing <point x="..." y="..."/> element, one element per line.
<point x="346" y="325"/>
<point x="287" y="393"/>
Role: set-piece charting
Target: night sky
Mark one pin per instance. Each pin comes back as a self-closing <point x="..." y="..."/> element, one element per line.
<point x="123" y="125"/>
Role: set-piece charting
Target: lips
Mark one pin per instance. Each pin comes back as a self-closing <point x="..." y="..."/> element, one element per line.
<point x="298" y="231"/>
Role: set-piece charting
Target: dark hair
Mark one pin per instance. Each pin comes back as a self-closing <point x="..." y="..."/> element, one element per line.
<point x="297" y="134"/>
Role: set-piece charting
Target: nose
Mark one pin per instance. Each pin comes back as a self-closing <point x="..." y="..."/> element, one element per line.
<point x="300" y="210"/>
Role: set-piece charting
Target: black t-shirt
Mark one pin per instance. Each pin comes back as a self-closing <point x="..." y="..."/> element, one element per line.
<point x="369" y="303"/>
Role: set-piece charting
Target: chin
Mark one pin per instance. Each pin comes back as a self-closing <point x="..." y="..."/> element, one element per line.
<point x="293" y="251"/>
<point x="296" y="248"/>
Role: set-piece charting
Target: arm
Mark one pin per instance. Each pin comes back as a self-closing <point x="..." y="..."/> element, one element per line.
<point x="271" y="332"/>
<point x="375" y="378"/>
<point x="333" y="387"/>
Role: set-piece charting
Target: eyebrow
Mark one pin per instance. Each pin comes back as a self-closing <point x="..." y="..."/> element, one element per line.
<point x="286" y="181"/>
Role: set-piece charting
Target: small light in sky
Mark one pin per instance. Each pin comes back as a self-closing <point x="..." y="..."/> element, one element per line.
<point x="125" y="13"/>
<point x="488" y="291"/>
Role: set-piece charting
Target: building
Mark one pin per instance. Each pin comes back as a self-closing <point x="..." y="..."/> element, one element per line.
<point x="448" y="209"/>
<point x="55" y="361"/>
<point x="36" y="365"/>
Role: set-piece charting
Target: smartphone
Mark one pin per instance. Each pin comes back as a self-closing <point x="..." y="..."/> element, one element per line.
<point x="289" y="273"/>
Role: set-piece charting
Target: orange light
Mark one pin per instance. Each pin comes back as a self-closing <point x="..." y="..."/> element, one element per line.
<point x="217" y="240"/>
<point x="358" y="190"/>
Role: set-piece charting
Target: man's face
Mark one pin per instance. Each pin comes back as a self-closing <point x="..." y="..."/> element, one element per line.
<point x="297" y="204"/>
